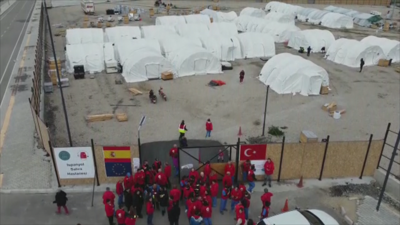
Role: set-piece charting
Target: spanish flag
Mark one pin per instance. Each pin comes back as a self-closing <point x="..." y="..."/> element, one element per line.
<point x="117" y="161"/>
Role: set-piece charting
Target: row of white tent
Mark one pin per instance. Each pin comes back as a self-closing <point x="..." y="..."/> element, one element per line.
<point x="203" y="17"/>
<point x="361" y="19"/>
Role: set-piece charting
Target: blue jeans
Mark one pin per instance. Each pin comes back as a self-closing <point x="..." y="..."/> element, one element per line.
<point x="233" y="179"/>
<point x="222" y="206"/>
<point x="246" y="213"/>
<point x="251" y="186"/>
<point x="208" y="133"/>
<point x="207" y="221"/>
<point x="150" y="219"/>
<point x="176" y="171"/>
<point x="214" y="201"/>
<point x="233" y="204"/>
<point x="120" y="199"/>
<point x="244" y="176"/>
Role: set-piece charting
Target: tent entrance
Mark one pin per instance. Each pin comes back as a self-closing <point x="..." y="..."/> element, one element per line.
<point x="200" y="66"/>
<point x="153" y="71"/>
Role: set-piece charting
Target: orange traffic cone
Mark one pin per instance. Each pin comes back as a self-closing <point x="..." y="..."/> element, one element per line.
<point x="240" y="131"/>
<point x="286" y="207"/>
<point x="300" y="184"/>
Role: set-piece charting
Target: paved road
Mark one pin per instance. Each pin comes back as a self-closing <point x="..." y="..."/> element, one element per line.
<point x="13" y="24"/>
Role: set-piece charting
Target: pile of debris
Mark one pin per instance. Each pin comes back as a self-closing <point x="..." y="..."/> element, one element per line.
<point x="331" y="108"/>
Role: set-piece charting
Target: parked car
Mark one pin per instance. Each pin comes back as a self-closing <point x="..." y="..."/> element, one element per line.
<point x="300" y="217"/>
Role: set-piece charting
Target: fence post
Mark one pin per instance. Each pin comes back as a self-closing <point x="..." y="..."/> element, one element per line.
<point x="366" y="155"/>
<point x="237" y="160"/>
<point x="384" y="143"/>
<point x="230" y="153"/>
<point x="179" y="165"/>
<point x="140" y="150"/>
<point x="281" y="159"/>
<point x="95" y="163"/>
<point x="323" y="160"/>
<point x="54" y="164"/>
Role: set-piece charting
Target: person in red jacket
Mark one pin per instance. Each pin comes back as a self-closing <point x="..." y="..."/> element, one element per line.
<point x="241" y="218"/>
<point x="241" y="76"/>
<point x="207" y="170"/>
<point x="251" y="177"/>
<point x="231" y="169"/>
<point x="167" y="172"/>
<point x="150" y="211"/>
<point x="269" y="170"/>
<point x="189" y="202"/>
<point x="213" y="177"/>
<point x="266" y="197"/>
<point x="173" y="153"/>
<point x="202" y="178"/>
<point x="203" y="190"/>
<point x="128" y="181"/>
<point x="157" y="164"/>
<point x="194" y="173"/>
<point x="245" y="168"/>
<point x="120" y="214"/>
<point x="242" y="188"/>
<point x="192" y="207"/>
<point x="108" y="195"/>
<point x="140" y="178"/>
<point x="175" y="193"/>
<point x="236" y="196"/>
<point x="206" y="213"/>
<point x="227" y="180"/>
<point x="224" y="199"/>
<point x="209" y="128"/>
<point x="239" y="209"/>
<point x="119" y="189"/>
<point x="214" y="193"/>
<point x="109" y="208"/>
<point x="130" y="220"/>
<point x="246" y="204"/>
<point x="161" y="179"/>
<point x="265" y="210"/>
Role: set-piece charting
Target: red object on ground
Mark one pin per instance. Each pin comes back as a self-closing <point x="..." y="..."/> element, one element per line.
<point x="253" y="152"/>
<point x="286" y="207"/>
<point x="219" y="82"/>
<point x="300" y="184"/>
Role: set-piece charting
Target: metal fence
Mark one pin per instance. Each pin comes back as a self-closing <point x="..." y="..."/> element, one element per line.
<point x="386" y="157"/>
<point x="337" y="2"/>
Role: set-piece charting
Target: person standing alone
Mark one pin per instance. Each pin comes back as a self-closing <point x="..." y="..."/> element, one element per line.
<point x="209" y="128"/>
<point x="269" y="170"/>
<point x="241" y="76"/>
<point x="362" y="63"/>
<point x="109" y="208"/>
<point x="182" y="129"/>
<point x="61" y="201"/>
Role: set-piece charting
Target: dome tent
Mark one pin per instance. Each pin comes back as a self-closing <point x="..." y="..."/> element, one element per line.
<point x="280" y="32"/>
<point x="286" y="73"/>
<point x="219" y="17"/>
<point x="315" y="38"/>
<point x="280" y="17"/>
<point x="197" y="18"/>
<point x="391" y="48"/>
<point x="193" y="30"/>
<point x="242" y="22"/>
<point x="256" y="45"/>
<point x="84" y="36"/>
<point x="223" y="29"/>
<point x="304" y="13"/>
<point x="349" y="52"/>
<point x="91" y="56"/>
<point x="336" y="20"/>
<point x="114" y="34"/>
<point x="157" y="32"/>
<point x="173" y="43"/>
<point x="223" y="47"/>
<point x="254" y="12"/>
<point x="281" y="7"/>
<point x="170" y="20"/>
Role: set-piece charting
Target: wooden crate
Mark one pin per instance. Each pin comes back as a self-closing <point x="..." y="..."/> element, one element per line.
<point x="383" y="63"/>
<point x="53" y="66"/>
<point x="126" y="20"/>
<point x="84" y="25"/>
<point x="329" y="107"/>
<point x="151" y="12"/>
<point x="324" y="90"/>
<point x="99" y="25"/>
<point x="307" y="136"/>
<point x="108" y="24"/>
<point x="167" y="76"/>
<point x="86" y="18"/>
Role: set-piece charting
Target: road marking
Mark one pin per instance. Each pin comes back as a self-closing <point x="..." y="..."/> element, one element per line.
<point x="8" y="63"/>
<point x="8" y="10"/>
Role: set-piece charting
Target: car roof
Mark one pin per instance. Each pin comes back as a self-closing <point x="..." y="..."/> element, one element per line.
<point x="288" y="218"/>
<point x="324" y="217"/>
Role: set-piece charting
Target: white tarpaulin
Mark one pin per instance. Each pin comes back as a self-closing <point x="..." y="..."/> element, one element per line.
<point x="256" y="45"/>
<point x="175" y="42"/>
<point x="141" y="60"/>
<point x="193" y="30"/>
<point x="115" y="34"/>
<point x="280" y="17"/>
<point x="286" y="74"/>
<point x="223" y="47"/>
<point x="219" y="17"/>
<point x="304" y="13"/>
<point x="254" y="12"/>
<point x="336" y="20"/>
<point x="193" y="60"/>
<point x="84" y="36"/>
<point x="91" y="56"/>
<point x="109" y="53"/>
<point x="242" y="22"/>
<point x="197" y="18"/>
<point x="391" y="48"/>
<point x="157" y="32"/>
<point x="223" y="29"/>
<point x="170" y="20"/>
<point x="315" y="38"/>
<point x="281" y="7"/>
<point x="350" y="52"/>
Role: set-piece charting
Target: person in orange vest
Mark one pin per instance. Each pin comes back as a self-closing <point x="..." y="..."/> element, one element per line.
<point x="182" y="129"/>
<point x="265" y="211"/>
<point x="230" y="168"/>
<point x="120" y="192"/>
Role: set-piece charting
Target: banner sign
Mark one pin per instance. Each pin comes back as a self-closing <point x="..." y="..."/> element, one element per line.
<point x="117" y="160"/>
<point x="74" y="162"/>
<point x="253" y="152"/>
<point x="259" y="166"/>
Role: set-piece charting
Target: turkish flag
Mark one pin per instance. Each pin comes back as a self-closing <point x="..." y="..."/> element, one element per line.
<point x="253" y="152"/>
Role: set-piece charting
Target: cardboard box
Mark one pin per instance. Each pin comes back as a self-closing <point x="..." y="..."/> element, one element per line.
<point x="383" y="63"/>
<point x="167" y="76"/>
<point x="307" y="136"/>
<point x="329" y="107"/>
<point x="324" y="90"/>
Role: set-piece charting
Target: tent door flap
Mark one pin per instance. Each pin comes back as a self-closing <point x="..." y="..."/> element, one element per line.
<point x="200" y="66"/>
<point x="153" y="71"/>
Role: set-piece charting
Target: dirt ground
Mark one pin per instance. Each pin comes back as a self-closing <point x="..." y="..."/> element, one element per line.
<point x="371" y="98"/>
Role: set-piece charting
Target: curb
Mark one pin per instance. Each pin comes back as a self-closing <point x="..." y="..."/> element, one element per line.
<point x="344" y="213"/>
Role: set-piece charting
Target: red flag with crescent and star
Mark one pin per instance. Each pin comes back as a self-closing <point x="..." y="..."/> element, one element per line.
<point x="253" y="152"/>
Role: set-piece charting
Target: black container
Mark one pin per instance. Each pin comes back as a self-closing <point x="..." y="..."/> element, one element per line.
<point x="79" y="72"/>
<point x="110" y="12"/>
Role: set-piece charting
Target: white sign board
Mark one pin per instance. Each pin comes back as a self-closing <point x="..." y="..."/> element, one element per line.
<point x="136" y="164"/>
<point x="74" y="162"/>
<point x="259" y="165"/>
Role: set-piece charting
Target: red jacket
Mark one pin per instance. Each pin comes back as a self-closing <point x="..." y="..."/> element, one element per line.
<point x="269" y="168"/>
<point x="191" y="209"/>
<point x="195" y="174"/>
<point x="120" y="213"/>
<point x="129" y="221"/>
<point x="139" y="177"/>
<point x="203" y="179"/>
<point x="150" y="175"/>
<point x="237" y="208"/>
<point x="250" y="176"/>
<point x="230" y="168"/>
<point x="167" y="171"/>
<point x="173" y="152"/>
<point x="214" y="189"/>
<point x="176" y="194"/>
<point x="207" y="170"/>
<point x="186" y="192"/>
<point x="198" y="204"/>
<point x="189" y="204"/>
<point x="108" y="195"/>
<point x="266" y="198"/>
<point x="242" y="216"/>
<point x="161" y="179"/>
<point x="213" y="178"/>
<point x="208" y="199"/>
<point x="202" y="191"/>
<point x="236" y="195"/>
<point x="227" y="181"/>
<point x="242" y="189"/>
<point x="109" y="210"/>
<point x="128" y="182"/>
<point x="119" y="188"/>
<point x="246" y="167"/>
<point x="206" y="211"/>
<point x="157" y="165"/>
<point x="225" y="194"/>
<point x="209" y="126"/>
<point x="149" y="208"/>
<point x="247" y="203"/>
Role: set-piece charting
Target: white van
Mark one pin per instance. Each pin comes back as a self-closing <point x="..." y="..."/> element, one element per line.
<point x="87" y="7"/>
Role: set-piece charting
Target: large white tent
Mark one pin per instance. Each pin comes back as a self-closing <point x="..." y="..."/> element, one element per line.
<point x="115" y="34"/>
<point x="197" y="18"/>
<point x="254" y="12"/>
<point x="170" y="20"/>
<point x="315" y="38"/>
<point x="223" y="47"/>
<point x="91" y="56"/>
<point x="304" y="13"/>
<point x="256" y="45"/>
<point x="193" y="30"/>
<point x="286" y="74"/>
<point x="281" y="7"/>
<point x="84" y="36"/>
<point x="193" y="60"/>
<point x="280" y="17"/>
<point x="109" y="53"/>
<point x="218" y="16"/>
<point x="158" y="32"/>
<point x="223" y="29"/>
<point x="336" y="20"/>
<point x="391" y="48"/>
<point x="242" y="22"/>
<point x="349" y="52"/>
<point x="141" y="60"/>
<point x="173" y="43"/>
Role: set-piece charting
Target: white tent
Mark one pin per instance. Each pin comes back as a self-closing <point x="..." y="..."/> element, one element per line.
<point x="223" y="47"/>
<point x="286" y="74"/>
<point x="349" y="52"/>
<point x="197" y="18"/>
<point x="193" y="30"/>
<point x="315" y="38"/>
<point x="284" y="8"/>
<point x="158" y="32"/>
<point x="223" y="29"/>
<point x="280" y="17"/>
<point x="336" y="20"/>
<point x="220" y="16"/>
<point x="91" y="56"/>
<point x="280" y="32"/>
<point x="193" y="60"/>
<point x="109" y="53"/>
<point x="256" y="45"/>
<point x="242" y="22"/>
<point x="170" y="20"/>
<point x="141" y="60"/>
<point x="391" y="48"/>
<point x="304" y="13"/>
<point x="254" y="12"/>
<point x="115" y="34"/>
<point x="173" y="43"/>
<point x="315" y="17"/>
<point x="84" y="36"/>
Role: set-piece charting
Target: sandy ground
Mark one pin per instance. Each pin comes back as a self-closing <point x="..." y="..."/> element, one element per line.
<point x="371" y="98"/>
